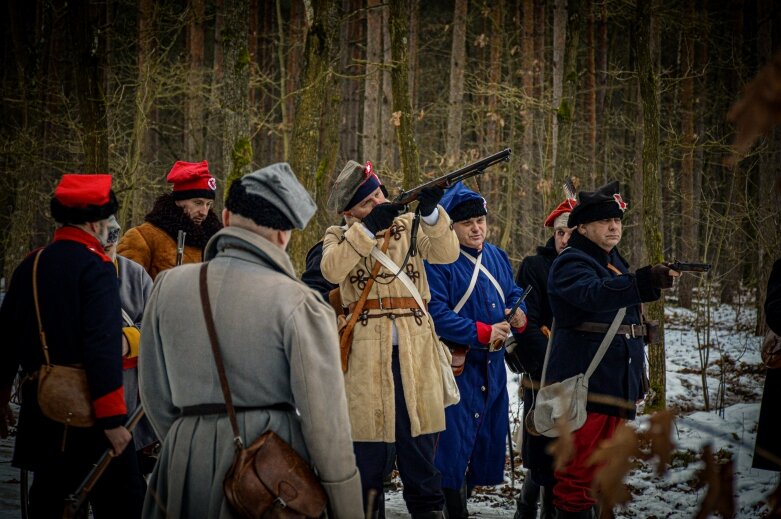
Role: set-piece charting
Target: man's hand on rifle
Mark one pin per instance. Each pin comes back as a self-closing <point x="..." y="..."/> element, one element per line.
<point x="518" y="319"/>
<point x="429" y="198"/>
<point x="381" y="217"/>
<point x="499" y="332"/>
<point x="119" y="437"/>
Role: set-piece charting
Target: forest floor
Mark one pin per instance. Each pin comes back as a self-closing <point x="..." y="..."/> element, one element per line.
<point x="734" y="378"/>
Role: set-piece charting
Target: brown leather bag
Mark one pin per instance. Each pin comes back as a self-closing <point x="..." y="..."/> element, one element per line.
<point x="458" y="356"/>
<point x="345" y="326"/>
<point x="269" y="479"/>
<point x="771" y="350"/>
<point x="63" y="393"/>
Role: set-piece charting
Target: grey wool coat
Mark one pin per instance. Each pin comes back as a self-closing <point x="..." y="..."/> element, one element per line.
<point x="279" y="345"/>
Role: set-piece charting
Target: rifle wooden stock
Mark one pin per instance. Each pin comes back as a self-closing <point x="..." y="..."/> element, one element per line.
<point x="445" y="181"/>
<point x="75" y="501"/>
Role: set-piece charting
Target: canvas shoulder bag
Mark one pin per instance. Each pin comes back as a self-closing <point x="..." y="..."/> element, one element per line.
<point x="63" y="393"/>
<point x="566" y="400"/>
<point x="268" y="479"/>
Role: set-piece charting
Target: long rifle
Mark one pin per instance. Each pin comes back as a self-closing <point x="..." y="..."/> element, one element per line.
<point x="75" y="501"/>
<point x="181" y="235"/>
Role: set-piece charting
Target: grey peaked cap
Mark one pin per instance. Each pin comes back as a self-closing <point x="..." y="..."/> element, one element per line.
<point x="345" y="186"/>
<point x="279" y="186"/>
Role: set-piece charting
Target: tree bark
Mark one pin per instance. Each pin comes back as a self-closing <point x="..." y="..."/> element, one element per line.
<point x="315" y="141"/>
<point x="371" y="100"/>
<point x="559" y="43"/>
<point x="402" y="109"/>
<point x="455" y="105"/>
<point x="193" y="111"/>
<point x="351" y="42"/>
<point x="652" y="207"/>
<point x="591" y="97"/>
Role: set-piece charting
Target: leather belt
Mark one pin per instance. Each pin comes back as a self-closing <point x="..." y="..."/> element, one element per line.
<point x="206" y="409"/>
<point x="389" y="303"/>
<point x="630" y="331"/>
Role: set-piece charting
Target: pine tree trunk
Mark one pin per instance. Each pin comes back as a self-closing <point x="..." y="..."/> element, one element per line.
<point x="566" y="108"/>
<point x="388" y="154"/>
<point x="402" y="110"/>
<point x="591" y="97"/>
<point x="315" y="141"/>
<point x="193" y="111"/>
<point x="652" y="206"/>
<point x="559" y="48"/>
<point x="351" y="42"/>
<point x="371" y="99"/>
<point x="455" y="105"/>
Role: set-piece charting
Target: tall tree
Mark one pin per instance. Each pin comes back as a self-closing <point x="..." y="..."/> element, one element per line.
<point x="315" y="140"/>
<point x="351" y="43"/>
<point x="402" y="109"/>
<point x="236" y="145"/>
<point x="371" y="89"/>
<point x="652" y="206"/>
<point x="455" y="106"/>
<point x="559" y="47"/>
<point x="193" y="111"/>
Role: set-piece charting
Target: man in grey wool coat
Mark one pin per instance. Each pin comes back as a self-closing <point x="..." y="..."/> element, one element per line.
<point x="280" y="349"/>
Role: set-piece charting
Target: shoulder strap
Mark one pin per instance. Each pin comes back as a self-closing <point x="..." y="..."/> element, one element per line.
<point x="485" y="271"/>
<point x="472" y="283"/>
<point x="365" y="294"/>
<point x="207" y="314"/>
<point x="41" y="333"/>
<point x="606" y="340"/>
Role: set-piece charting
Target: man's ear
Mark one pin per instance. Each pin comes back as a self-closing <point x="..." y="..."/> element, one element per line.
<point x="282" y="238"/>
<point x="226" y="218"/>
<point x="582" y="229"/>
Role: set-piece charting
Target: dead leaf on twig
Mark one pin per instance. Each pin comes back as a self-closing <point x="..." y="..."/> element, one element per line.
<point x="718" y="477"/>
<point x="659" y="436"/>
<point x="615" y="457"/>
<point x="563" y="447"/>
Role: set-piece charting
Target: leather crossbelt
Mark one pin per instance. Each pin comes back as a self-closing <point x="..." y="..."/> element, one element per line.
<point x="389" y="303"/>
<point x="630" y="331"/>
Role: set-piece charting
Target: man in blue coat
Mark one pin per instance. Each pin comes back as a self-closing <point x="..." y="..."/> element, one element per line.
<point x="469" y="302"/>
<point x="587" y="284"/>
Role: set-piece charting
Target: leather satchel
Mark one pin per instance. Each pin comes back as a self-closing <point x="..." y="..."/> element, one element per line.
<point x="771" y="350"/>
<point x="63" y="393"/>
<point x="269" y="479"/>
<point x="458" y="356"/>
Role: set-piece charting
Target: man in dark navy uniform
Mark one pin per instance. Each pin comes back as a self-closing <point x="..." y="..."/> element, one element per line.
<point x="79" y="304"/>
<point x="588" y="283"/>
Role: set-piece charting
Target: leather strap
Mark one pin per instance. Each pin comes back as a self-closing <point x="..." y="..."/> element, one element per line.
<point x="347" y="334"/>
<point x="388" y="303"/>
<point x="632" y="330"/>
<point x="41" y="333"/>
<point x="207" y="314"/>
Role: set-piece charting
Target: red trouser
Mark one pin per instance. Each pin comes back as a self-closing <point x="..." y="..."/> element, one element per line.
<point x="572" y="492"/>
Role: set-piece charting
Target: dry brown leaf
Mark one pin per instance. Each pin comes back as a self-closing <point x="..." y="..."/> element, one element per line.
<point x="562" y="448"/>
<point x="774" y="502"/>
<point x="659" y="435"/>
<point x="759" y="108"/>
<point x="615" y="459"/>
<point x="718" y="477"/>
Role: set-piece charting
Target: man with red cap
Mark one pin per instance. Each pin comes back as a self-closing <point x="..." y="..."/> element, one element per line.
<point x="527" y="355"/>
<point x="73" y="284"/>
<point x="187" y="208"/>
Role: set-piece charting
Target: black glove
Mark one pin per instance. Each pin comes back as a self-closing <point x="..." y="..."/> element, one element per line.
<point x="381" y="217"/>
<point x="660" y="276"/>
<point x="428" y="199"/>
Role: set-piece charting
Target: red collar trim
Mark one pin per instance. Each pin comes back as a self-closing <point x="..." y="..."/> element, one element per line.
<point x="68" y="233"/>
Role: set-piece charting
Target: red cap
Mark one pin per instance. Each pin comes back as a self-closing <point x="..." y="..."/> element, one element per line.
<point x="76" y="190"/>
<point x="192" y="180"/>
<point x="565" y="207"/>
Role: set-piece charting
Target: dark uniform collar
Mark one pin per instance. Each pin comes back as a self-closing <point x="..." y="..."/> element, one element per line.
<point x="549" y="249"/>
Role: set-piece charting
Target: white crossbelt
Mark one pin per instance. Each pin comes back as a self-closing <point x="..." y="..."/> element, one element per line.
<point x="401" y="275"/>
<point x="478" y="263"/>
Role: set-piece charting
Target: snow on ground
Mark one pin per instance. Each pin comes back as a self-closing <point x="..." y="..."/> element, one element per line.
<point x="734" y="379"/>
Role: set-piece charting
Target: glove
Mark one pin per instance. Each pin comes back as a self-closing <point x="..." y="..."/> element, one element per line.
<point x="381" y="217"/>
<point x="428" y="199"/>
<point x="660" y="276"/>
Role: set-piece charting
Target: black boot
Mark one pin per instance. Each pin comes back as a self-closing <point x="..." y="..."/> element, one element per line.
<point x="436" y="514"/>
<point x="547" y="510"/>
<point x="584" y="514"/>
<point x="455" y="503"/>
<point x="526" y="507"/>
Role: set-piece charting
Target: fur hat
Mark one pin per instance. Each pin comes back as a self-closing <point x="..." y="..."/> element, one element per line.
<point x="192" y="180"/>
<point x="605" y="202"/>
<point x="354" y="183"/>
<point x="461" y="203"/>
<point x="83" y="198"/>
